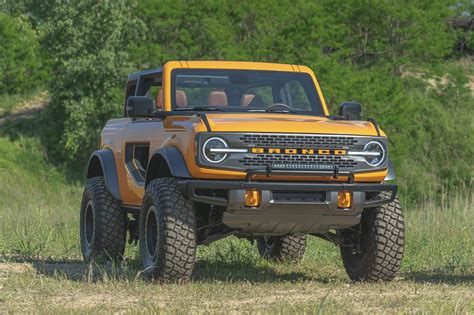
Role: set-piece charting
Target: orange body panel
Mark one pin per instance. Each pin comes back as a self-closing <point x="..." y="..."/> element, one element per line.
<point x="180" y="131"/>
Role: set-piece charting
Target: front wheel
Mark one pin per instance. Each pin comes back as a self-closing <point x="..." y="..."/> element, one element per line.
<point x="288" y="247"/>
<point x="167" y="232"/>
<point x="380" y="239"/>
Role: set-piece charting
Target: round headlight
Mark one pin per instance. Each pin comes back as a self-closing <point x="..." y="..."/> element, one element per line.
<point x="375" y="153"/>
<point x="210" y="150"/>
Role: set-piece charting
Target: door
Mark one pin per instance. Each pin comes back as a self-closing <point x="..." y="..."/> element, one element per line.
<point x="138" y="135"/>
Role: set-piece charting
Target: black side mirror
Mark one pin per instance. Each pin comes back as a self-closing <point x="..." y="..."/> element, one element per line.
<point x="140" y="106"/>
<point x="350" y="110"/>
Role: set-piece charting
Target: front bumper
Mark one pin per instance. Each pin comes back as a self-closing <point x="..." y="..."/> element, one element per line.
<point x="287" y="207"/>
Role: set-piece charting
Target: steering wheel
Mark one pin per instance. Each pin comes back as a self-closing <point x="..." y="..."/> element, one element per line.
<point x="279" y="106"/>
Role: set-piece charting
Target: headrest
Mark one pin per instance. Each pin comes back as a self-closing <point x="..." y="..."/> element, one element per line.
<point x="181" y="98"/>
<point x="159" y="99"/>
<point x="217" y="98"/>
<point x="246" y="99"/>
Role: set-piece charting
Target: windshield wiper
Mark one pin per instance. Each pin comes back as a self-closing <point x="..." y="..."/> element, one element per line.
<point x="201" y="108"/>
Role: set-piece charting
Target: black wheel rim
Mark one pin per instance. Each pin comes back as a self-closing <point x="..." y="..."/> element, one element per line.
<point x="269" y="241"/>
<point x="359" y="234"/>
<point x="89" y="223"/>
<point x="151" y="232"/>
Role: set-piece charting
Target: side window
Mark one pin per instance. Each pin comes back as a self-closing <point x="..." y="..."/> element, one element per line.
<point x="294" y="95"/>
<point x="263" y="92"/>
<point x="151" y="86"/>
<point x="130" y="91"/>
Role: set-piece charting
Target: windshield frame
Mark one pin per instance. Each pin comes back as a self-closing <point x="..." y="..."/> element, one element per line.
<point x="310" y="90"/>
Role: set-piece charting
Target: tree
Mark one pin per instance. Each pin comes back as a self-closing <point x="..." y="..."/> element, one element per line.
<point x="88" y="42"/>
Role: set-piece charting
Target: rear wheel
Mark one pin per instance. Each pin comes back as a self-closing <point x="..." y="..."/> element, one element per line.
<point x="381" y="237"/>
<point x="167" y="231"/>
<point x="103" y="225"/>
<point x="288" y="247"/>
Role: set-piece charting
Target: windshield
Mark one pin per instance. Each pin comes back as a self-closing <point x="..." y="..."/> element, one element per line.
<point x="244" y="91"/>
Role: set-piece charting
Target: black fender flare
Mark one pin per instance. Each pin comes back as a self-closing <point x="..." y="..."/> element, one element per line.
<point x="391" y="172"/>
<point x="102" y="163"/>
<point x="174" y="160"/>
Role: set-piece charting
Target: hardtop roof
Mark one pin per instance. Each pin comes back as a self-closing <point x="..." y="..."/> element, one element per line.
<point x="137" y="74"/>
<point x="221" y="64"/>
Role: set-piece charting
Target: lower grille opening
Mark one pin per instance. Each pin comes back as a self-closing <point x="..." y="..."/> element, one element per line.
<point x="298" y="197"/>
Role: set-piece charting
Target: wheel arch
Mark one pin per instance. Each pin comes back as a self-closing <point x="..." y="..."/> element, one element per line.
<point x="102" y="163"/>
<point x="166" y="162"/>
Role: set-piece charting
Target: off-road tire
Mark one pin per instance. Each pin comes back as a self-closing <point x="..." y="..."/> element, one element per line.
<point x="382" y="244"/>
<point x="103" y="225"/>
<point x="168" y="238"/>
<point x="288" y="247"/>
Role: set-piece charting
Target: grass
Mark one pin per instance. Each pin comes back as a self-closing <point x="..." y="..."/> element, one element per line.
<point x="41" y="268"/>
<point x="37" y="205"/>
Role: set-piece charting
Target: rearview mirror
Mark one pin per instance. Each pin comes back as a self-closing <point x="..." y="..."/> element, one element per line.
<point x="140" y="106"/>
<point x="350" y="110"/>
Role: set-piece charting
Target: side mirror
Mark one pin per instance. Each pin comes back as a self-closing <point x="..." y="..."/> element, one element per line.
<point x="350" y="110"/>
<point x="140" y="106"/>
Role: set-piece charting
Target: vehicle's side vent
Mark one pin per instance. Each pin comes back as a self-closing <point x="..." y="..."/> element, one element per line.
<point x="136" y="159"/>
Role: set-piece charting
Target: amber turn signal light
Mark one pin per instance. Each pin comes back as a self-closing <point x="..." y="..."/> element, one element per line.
<point x="252" y="198"/>
<point x="344" y="199"/>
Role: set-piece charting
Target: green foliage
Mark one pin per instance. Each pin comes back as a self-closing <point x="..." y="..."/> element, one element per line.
<point x="20" y="61"/>
<point x="88" y="41"/>
<point x="387" y="55"/>
<point x="352" y="32"/>
<point x="396" y="58"/>
<point x="429" y="123"/>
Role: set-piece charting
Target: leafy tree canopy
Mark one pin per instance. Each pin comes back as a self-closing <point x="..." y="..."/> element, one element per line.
<point x="89" y="43"/>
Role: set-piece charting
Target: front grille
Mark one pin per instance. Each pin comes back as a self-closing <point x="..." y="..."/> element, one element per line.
<point x="307" y="161"/>
<point x="298" y="152"/>
<point x="307" y="141"/>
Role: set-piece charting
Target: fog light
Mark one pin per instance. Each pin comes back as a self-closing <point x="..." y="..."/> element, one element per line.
<point x="252" y="198"/>
<point x="344" y="199"/>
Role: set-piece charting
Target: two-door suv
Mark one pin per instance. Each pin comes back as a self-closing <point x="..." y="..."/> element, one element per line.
<point x="208" y="149"/>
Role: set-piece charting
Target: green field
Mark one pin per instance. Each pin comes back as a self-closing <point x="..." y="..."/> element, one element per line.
<point x="41" y="268"/>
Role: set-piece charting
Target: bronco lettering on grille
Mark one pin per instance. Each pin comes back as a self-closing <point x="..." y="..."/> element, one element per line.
<point x="298" y="151"/>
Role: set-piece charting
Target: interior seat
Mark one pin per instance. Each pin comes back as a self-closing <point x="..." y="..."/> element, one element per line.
<point x="256" y="101"/>
<point x="159" y="99"/>
<point x="218" y="98"/>
<point x="181" y="99"/>
<point x="246" y="99"/>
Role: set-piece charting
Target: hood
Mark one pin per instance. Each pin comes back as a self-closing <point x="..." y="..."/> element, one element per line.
<point x="287" y="123"/>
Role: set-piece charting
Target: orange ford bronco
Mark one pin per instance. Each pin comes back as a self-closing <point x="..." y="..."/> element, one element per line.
<point x="208" y="149"/>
